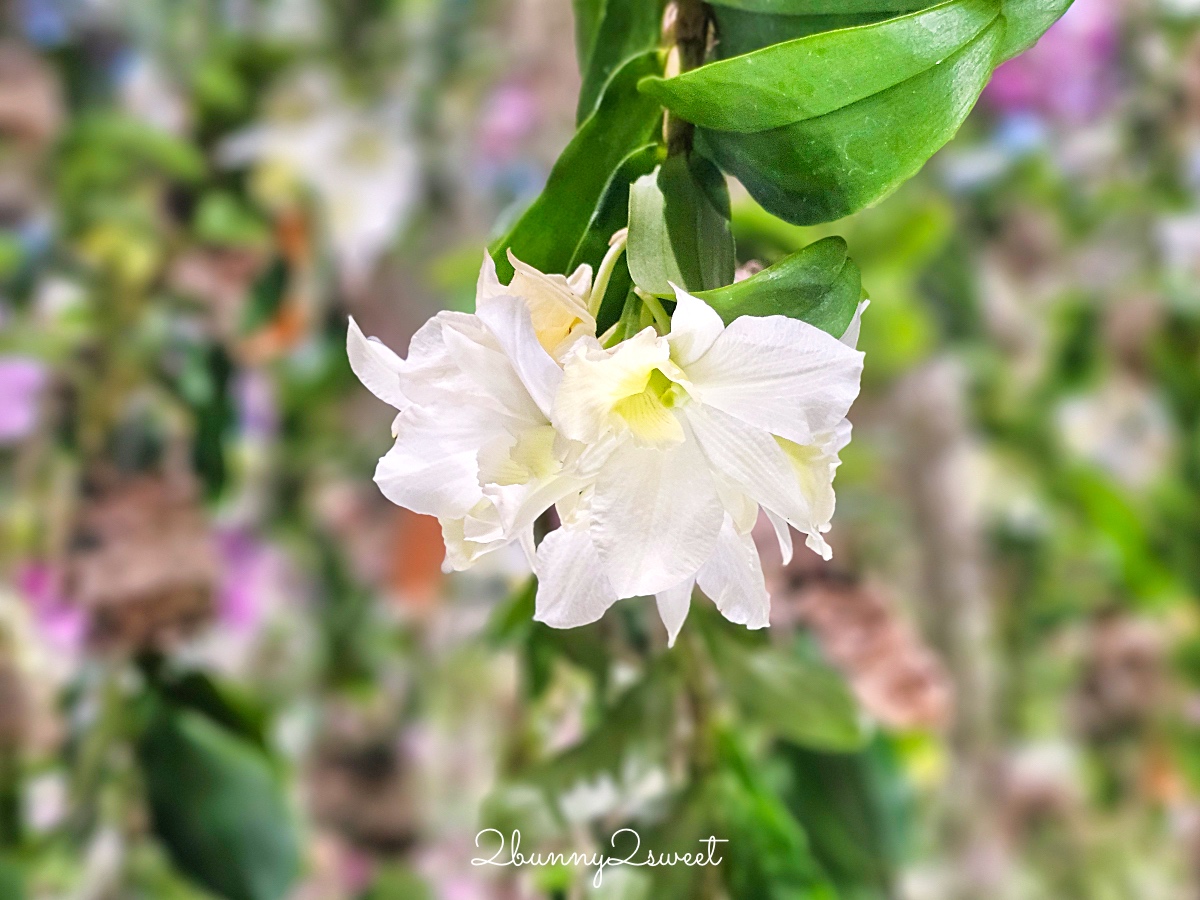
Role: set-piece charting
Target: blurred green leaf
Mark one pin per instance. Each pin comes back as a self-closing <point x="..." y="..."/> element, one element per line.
<point x="765" y="854"/>
<point x="217" y="806"/>
<point x="221" y="218"/>
<point x="628" y="729"/>
<point x="224" y="702"/>
<point x="398" y="883"/>
<point x="811" y="76"/>
<point x="854" y="809"/>
<point x="823" y="168"/>
<point x="820" y="285"/>
<point x="679" y="228"/>
<point x="617" y="31"/>
<point x="541" y="647"/>
<point x="791" y="695"/>
<point x="549" y="231"/>
<point x="12" y="881"/>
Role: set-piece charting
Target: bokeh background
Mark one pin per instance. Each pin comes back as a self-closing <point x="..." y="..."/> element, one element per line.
<point x="194" y="194"/>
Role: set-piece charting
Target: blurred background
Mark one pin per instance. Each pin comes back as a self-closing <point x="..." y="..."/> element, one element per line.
<point x="220" y="645"/>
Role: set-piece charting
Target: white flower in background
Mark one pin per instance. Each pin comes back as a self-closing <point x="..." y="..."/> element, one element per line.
<point x="148" y="94"/>
<point x="362" y="166"/>
<point x="1124" y="427"/>
<point x="657" y="453"/>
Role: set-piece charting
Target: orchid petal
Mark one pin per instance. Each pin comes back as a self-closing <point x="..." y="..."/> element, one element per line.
<point x="433" y="468"/>
<point x="733" y="580"/>
<point x="850" y="337"/>
<point x="695" y="327"/>
<point x="778" y="374"/>
<point x="376" y="366"/>
<point x="655" y="516"/>
<point x="572" y="587"/>
<point x="783" y="534"/>
<point x="509" y="321"/>
<point x="673" y="606"/>
<point x="750" y="457"/>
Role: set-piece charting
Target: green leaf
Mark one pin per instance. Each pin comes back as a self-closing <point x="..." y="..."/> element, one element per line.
<point x="12" y="881"/>
<point x="611" y="215"/>
<point x="855" y="809"/>
<point x="217" y="806"/>
<point x="766" y="854"/>
<point x="819" y="285"/>
<point x="221" y="218"/>
<point x="587" y="23"/>
<point x="621" y="30"/>
<point x="549" y="231"/>
<point x="820" y="7"/>
<point x="811" y="76"/>
<point x="744" y="32"/>
<point x="631" y="725"/>
<point x="790" y="694"/>
<point x="827" y="167"/>
<point x="1027" y="21"/>
<point x="679" y="228"/>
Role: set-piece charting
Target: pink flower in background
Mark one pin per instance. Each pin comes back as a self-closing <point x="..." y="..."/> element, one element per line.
<point x="510" y="116"/>
<point x="254" y="576"/>
<point x="22" y="379"/>
<point x="1070" y="74"/>
<point x="62" y="624"/>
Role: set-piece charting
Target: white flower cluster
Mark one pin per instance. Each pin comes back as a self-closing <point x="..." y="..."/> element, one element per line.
<point x="657" y="453"/>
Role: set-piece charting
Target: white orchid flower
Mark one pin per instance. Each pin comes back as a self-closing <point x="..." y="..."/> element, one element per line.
<point x="657" y="453"/>
<point x="361" y="165"/>
<point x="707" y="424"/>
<point x="474" y="444"/>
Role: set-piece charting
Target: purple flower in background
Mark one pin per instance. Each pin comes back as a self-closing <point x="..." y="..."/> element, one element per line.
<point x="1069" y="76"/>
<point x="253" y="580"/>
<point x="22" y="379"/>
<point x="62" y="624"/>
<point x="257" y="409"/>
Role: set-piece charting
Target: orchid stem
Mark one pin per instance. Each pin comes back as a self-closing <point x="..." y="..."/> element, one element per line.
<point x="604" y="273"/>
<point x="661" y="320"/>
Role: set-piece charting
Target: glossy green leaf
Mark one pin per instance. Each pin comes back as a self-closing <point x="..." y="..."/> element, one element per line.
<point x="791" y="695"/>
<point x="621" y="30"/>
<point x="587" y="23"/>
<point x="1027" y="21"/>
<point x="811" y="76"/>
<point x="819" y="285"/>
<point x="218" y="807"/>
<point x="827" y="167"/>
<point x="819" y="7"/>
<point x="741" y="31"/>
<point x="679" y="228"/>
<point x="611" y="215"/>
<point x="547" y="234"/>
